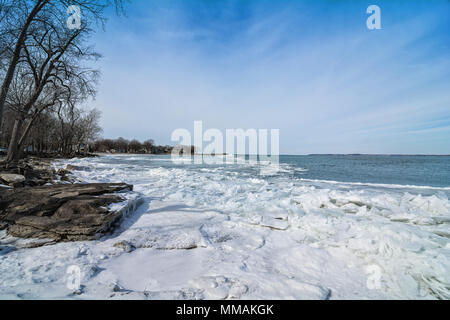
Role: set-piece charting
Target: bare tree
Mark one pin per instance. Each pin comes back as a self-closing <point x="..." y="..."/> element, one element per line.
<point x="87" y="130"/>
<point x="66" y="132"/>
<point x="19" y="17"/>
<point x="43" y="135"/>
<point x="148" y="145"/>
<point x="9" y="19"/>
<point x="52" y="69"/>
<point x="78" y="129"/>
<point x="134" y="146"/>
<point x="121" y="145"/>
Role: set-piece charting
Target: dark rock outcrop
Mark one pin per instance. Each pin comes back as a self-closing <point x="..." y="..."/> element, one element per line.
<point x="11" y="179"/>
<point x="69" y="212"/>
<point x="36" y="172"/>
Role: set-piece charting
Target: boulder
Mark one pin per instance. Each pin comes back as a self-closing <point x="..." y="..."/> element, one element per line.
<point x="12" y="179"/>
<point x="125" y="245"/>
<point x="34" y="172"/>
<point x="3" y="225"/>
<point x="62" y="172"/>
<point x="70" y="212"/>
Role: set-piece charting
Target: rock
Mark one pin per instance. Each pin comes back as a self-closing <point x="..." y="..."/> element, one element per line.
<point x="62" y="172"/>
<point x="17" y="184"/>
<point x="32" y="243"/>
<point x="3" y="225"/>
<point x="66" y="179"/>
<point x="36" y="182"/>
<point x="71" y="167"/>
<point x="115" y="287"/>
<point x="12" y="179"/>
<point x="125" y="245"/>
<point x="79" y="291"/>
<point x="70" y="212"/>
<point x="35" y="171"/>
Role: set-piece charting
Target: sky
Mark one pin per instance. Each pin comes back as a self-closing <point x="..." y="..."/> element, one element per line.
<point x="311" y="69"/>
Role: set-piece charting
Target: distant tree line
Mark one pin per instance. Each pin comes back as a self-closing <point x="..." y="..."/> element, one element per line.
<point x="122" y="145"/>
<point x="46" y="76"/>
<point x="62" y="131"/>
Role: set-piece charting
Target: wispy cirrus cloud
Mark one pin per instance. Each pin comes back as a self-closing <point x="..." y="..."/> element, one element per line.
<point x="311" y="69"/>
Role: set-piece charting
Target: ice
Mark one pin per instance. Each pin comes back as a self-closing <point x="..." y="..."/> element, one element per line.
<point x="241" y="231"/>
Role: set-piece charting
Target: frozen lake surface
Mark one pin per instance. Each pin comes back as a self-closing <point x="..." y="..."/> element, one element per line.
<point x="316" y="227"/>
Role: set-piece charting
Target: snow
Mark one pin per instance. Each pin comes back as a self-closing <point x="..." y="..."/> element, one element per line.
<point x="217" y="232"/>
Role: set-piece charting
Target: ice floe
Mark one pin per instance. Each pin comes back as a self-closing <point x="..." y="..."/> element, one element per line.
<point x="236" y="232"/>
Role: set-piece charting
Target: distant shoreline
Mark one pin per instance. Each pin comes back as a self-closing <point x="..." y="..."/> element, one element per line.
<point x="129" y="154"/>
<point x="293" y="155"/>
<point x="375" y="154"/>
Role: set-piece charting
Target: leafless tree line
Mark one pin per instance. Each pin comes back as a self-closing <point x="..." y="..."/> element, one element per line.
<point x="46" y="75"/>
<point x="122" y="145"/>
<point x="57" y="130"/>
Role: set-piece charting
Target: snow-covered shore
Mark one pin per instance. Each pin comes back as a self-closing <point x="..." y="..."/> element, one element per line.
<point x="221" y="232"/>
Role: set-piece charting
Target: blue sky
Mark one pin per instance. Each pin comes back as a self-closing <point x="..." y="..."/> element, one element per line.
<point x="309" y="68"/>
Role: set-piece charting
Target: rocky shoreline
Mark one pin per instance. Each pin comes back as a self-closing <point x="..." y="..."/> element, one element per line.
<point x="40" y="202"/>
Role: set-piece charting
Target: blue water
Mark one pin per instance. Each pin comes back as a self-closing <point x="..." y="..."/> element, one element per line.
<point x="433" y="171"/>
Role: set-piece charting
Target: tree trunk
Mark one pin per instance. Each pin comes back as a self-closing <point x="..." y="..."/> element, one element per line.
<point x="16" y="55"/>
<point x="25" y="134"/>
<point x="13" y="149"/>
<point x="27" y="128"/>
